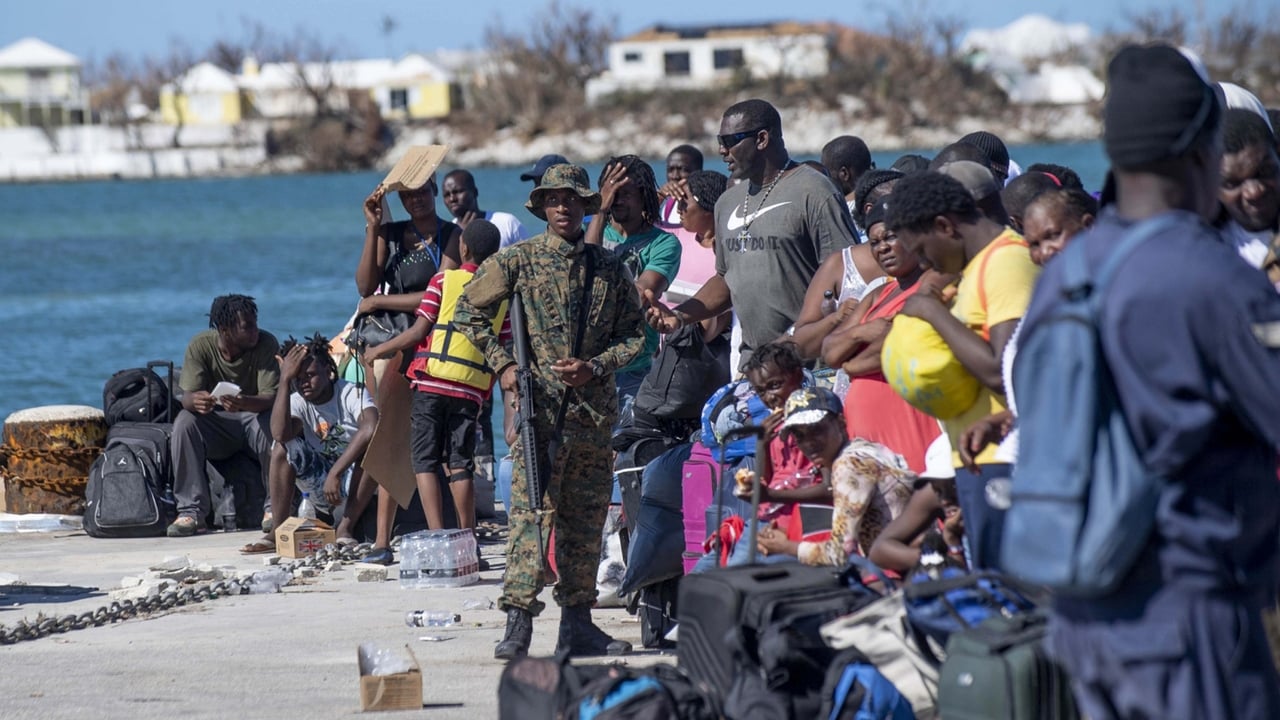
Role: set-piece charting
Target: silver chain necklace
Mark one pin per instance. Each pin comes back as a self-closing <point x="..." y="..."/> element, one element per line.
<point x="744" y="235"/>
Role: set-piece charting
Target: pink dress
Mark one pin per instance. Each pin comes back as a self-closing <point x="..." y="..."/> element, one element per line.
<point x="873" y="411"/>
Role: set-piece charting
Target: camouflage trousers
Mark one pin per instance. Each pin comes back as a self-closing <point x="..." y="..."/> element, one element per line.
<point x="575" y="504"/>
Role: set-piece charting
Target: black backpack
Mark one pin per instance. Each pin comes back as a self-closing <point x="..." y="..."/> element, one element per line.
<point x="550" y="688"/>
<point x="130" y="488"/>
<point x="140" y="395"/>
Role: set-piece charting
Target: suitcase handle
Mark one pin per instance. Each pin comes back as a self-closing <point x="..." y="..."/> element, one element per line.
<point x="151" y="365"/>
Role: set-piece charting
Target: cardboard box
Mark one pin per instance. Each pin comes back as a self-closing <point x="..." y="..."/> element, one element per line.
<point x="401" y="691"/>
<point x="299" y="538"/>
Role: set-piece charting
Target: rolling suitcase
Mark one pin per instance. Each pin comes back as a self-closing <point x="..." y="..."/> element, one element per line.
<point x="728" y="608"/>
<point x="130" y="487"/>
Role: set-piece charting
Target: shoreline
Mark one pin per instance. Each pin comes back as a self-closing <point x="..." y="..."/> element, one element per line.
<point x="103" y="153"/>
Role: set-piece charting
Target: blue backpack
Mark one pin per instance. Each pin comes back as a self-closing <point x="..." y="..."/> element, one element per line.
<point x="1083" y="500"/>
<point x="855" y="690"/>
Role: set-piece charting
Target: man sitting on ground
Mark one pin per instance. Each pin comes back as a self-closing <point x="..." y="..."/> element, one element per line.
<point x="208" y="428"/>
<point x="321" y="431"/>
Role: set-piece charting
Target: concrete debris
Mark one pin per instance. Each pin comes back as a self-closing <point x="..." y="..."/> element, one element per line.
<point x="333" y="566"/>
<point x="368" y="572"/>
<point x="173" y="562"/>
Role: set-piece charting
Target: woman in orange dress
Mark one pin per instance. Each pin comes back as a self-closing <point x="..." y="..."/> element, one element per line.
<point x="872" y="409"/>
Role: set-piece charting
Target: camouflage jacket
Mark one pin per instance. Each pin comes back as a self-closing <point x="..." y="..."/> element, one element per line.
<point x="548" y="272"/>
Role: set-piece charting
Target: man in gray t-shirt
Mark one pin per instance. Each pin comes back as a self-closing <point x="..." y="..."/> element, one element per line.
<point x="773" y="230"/>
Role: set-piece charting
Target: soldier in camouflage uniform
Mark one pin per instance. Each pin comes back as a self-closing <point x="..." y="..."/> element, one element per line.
<point x="548" y="270"/>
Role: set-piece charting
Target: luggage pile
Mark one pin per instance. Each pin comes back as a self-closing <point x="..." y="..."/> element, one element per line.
<point x="792" y="642"/>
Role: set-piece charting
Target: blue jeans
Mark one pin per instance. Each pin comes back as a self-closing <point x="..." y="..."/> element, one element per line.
<point x="983" y="524"/>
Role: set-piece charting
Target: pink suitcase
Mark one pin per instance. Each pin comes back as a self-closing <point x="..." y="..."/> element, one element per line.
<point x="698" y="490"/>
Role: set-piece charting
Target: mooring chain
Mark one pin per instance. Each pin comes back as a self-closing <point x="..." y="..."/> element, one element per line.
<point x="43" y="625"/>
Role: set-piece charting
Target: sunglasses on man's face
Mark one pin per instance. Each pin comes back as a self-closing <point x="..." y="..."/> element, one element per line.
<point x="728" y="141"/>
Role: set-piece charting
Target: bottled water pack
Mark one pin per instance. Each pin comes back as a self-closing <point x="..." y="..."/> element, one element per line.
<point x="438" y="558"/>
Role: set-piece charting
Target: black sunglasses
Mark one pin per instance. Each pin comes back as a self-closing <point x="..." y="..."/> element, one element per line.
<point x="728" y="141"/>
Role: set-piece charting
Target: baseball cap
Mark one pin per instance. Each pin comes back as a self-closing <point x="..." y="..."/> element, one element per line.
<point x="807" y="406"/>
<point x="540" y="167"/>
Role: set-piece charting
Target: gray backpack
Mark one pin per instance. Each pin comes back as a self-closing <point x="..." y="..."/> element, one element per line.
<point x="1083" y="500"/>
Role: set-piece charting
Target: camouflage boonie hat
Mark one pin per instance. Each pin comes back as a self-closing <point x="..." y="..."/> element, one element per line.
<point x="564" y="177"/>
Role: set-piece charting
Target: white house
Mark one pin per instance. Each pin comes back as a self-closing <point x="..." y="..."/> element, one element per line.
<point x="1023" y="57"/>
<point x="704" y="56"/>
<point x="40" y="86"/>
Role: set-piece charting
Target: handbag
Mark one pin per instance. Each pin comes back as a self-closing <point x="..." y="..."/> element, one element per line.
<point x="882" y="633"/>
<point x="376" y="328"/>
<point x="380" y="326"/>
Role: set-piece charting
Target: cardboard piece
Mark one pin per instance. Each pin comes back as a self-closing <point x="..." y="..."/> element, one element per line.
<point x="415" y="168"/>
<point x="401" y="691"/>
<point x="387" y="458"/>
<point x="299" y="538"/>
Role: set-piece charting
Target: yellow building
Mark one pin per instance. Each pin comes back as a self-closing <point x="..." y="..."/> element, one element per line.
<point x="412" y="88"/>
<point x="40" y="86"/>
<point x="204" y="95"/>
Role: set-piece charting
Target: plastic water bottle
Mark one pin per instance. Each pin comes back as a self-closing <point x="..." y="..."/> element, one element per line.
<point x="449" y="559"/>
<point x="229" y="523"/>
<point x="431" y="618"/>
<point x="829" y="303"/>
<point x="307" y="509"/>
<point x="410" y="561"/>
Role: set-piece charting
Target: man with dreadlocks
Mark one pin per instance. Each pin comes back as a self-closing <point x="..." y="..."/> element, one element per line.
<point x="233" y="350"/>
<point x="629" y="211"/>
<point x="321" y="431"/>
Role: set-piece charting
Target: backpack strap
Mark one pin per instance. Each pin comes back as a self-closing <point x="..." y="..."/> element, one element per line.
<point x="1004" y="239"/>
<point x="1136" y="235"/>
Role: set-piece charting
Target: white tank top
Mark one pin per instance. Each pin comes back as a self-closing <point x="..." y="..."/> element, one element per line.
<point x="852" y="285"/>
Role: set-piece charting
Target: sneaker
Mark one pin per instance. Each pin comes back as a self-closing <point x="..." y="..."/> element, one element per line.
<point x="379" y="556"/>
<point x="184" y="526"/>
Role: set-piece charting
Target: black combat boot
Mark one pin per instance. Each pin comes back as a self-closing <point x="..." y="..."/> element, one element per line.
<point x="515" y="642"/>
<point x="581" y="638"/>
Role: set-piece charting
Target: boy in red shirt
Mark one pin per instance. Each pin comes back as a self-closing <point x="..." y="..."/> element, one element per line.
<point x="451" y="382"/>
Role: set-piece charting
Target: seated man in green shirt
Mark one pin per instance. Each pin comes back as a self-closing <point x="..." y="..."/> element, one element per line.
<point x="629" y="209"/>
<point x="233" y="351"/>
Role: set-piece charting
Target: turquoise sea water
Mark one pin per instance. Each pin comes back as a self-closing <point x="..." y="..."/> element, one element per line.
<point x="99" y="276"/>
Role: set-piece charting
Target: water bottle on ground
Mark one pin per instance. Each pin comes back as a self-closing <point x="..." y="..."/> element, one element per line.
<point x="307" y="509"/>
<point x="229" y="523"/>
<point x="431" y="618"/>
<point x="829" y="303"/>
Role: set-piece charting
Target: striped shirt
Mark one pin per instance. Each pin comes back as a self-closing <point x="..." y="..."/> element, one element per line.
<point x="418" y="376"/>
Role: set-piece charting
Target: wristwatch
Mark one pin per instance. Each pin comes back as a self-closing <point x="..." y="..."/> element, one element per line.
<point x="597" y="370"/>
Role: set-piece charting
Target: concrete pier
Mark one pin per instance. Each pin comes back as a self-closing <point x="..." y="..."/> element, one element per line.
<point x="291" y="654"/>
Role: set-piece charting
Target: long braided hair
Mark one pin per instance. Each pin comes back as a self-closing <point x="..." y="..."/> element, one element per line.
<point x="642" y="177"/>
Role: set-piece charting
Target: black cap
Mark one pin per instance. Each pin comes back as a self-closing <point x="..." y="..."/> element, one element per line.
<point x="1160" y="104"/>
<point x="535" y="173"/>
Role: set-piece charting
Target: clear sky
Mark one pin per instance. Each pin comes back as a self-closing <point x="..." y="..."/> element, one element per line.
<point x="95" y="28"/>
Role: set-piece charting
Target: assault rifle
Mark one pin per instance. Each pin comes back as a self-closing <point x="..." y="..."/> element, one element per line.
<point x="537" y="466"/>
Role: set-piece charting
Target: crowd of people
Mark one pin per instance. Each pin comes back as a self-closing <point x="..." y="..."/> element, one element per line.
<point x="876" y="314"/>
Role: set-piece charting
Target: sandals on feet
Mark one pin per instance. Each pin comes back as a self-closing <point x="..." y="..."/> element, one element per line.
<point x="259" y="547"/>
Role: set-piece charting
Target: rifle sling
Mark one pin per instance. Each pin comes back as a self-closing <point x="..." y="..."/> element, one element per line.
<point x="584" y="308"/>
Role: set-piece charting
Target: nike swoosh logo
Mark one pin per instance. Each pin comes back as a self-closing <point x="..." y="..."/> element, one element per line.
<point x="736" y="221"/>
